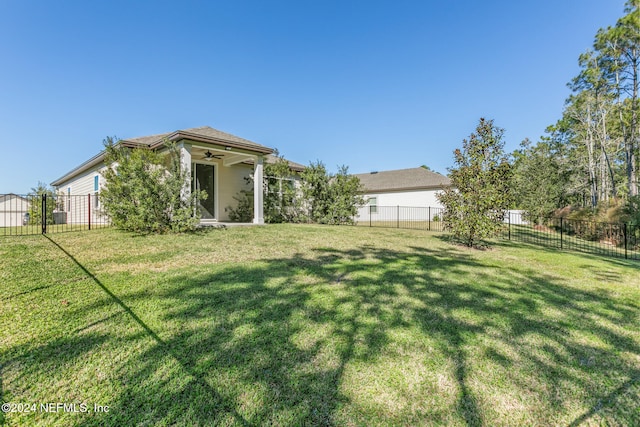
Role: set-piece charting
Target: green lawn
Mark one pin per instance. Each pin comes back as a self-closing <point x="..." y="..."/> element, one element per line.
<point x="312" y="325"/>
<point x="32" y="229"/>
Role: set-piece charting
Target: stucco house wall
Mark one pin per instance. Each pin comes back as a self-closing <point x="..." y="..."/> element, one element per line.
<point x="234" y="181"/>
<point x="233" y="159"/>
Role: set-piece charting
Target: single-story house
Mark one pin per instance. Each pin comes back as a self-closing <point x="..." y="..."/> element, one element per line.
<point x="404" y="188"/>
<point x="217" y="162"/>
<point x="13" y="209"/>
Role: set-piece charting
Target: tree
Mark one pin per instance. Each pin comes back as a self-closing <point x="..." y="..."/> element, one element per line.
<point x="590" y="109"/>
<point x="620" y="48"/>
<point x="144" y="190"/>
<point x="539" y="181"/>
<point x="35" y="206"/>
<point x="331" y="199"/>
<point x="475" y="204"/>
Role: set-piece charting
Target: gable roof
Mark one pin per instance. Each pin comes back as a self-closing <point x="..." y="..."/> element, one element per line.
<point x="205" y="134"/>
<point x="403" y="179"/>
<point x="11" y="197"/>
<point x="200" y="134"/>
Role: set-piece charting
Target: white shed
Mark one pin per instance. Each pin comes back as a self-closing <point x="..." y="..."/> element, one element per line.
<point x="12" y="210"/>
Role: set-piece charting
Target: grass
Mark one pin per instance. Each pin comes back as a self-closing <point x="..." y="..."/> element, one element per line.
<point x="405" y="224"/>
<point x="33" y="229"/>
<point x="312" y="325"/>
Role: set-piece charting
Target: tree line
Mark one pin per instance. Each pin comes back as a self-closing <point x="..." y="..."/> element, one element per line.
<point x="589" y="157"/>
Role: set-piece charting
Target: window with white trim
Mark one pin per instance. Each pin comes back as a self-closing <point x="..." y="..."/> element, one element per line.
<point x="96" y="191"/>
<point x="373" y="205"/>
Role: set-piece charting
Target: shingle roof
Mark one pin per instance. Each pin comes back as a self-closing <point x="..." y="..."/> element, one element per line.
<point x="11" y="196"/>
<point x="293" y="165"/>
<point x="403" y="179"/>
<point x="204" y="133"/>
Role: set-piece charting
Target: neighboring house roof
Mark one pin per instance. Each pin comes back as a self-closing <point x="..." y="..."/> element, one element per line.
<point x="402" y="179"/>
<point x="11" y="196"/>
<point x="205" y="134"/>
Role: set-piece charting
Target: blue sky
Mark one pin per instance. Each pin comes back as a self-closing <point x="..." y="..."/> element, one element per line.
<point x="374" y="85"/>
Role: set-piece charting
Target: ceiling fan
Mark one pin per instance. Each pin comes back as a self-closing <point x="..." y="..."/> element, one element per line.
<point x="210" y="156"/>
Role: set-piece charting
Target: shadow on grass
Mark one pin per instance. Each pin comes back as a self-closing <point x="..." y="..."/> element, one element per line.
<point x="271" y="342"/>
<point x="197" y="383"/>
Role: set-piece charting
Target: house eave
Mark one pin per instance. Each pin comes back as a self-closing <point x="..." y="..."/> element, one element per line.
<point x="94" y="161"/>
<point x="177" y="136"/>
<point x="181" y="135"/>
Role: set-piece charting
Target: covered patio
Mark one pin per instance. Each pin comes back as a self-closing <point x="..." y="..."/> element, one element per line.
<point x="219" y="164"/>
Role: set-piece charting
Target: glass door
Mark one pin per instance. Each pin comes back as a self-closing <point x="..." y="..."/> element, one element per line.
<point x="203" y="179"/>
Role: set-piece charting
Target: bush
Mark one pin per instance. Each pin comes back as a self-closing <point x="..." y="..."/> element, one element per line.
<point x="281" y="195"/>
<point x="144" y="190"/>
<point x="603" y="223"/>
<point x="331" y="199"/>
<point x="322" y="198"/>
<point x="243" y="212"/>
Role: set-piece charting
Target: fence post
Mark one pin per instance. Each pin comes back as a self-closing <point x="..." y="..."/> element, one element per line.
<point x="429" y="219"/>
<point x="509" y="215"/>
<point x="398" y="217"/>
<point x="43" y="214"/>
<point x="370" y="216"/>
<point x="89" y="210"/>
<point x="561" y="233"/>
<point x="624" y="234"/>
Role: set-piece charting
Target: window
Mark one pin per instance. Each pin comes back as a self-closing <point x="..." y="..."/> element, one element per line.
<point x="373" y="205"/>
<point x="69" y="199"/>
<point x="96" y="190"/>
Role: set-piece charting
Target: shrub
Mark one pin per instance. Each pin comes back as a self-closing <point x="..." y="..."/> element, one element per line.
<point x="144" y="190"/>
<point x="281" y="195"/>
<point x="331" y="199"/>
<point x="321" y="197"/>
<point x="243" y="212"/>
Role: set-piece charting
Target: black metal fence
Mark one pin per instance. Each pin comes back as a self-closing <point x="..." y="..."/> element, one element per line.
<point x="607" y="239"/>
<point x="620" y="240"/>
<point x="40" y="214"/>
<point x="408" y="217"/>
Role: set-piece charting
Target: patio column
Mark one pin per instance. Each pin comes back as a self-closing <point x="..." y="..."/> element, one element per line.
<point x="258" y="198"/>
<point x="185" y="160"/>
